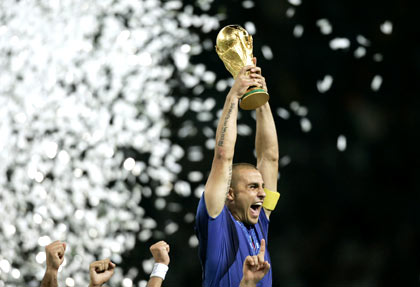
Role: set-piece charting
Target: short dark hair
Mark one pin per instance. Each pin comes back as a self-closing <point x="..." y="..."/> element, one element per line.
<point x="236" y="167"/>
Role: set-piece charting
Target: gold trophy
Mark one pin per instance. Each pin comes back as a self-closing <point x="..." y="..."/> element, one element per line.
<point x="234" y="47"/>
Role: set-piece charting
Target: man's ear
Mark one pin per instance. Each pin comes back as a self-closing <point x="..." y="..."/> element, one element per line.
<point x="230" y="195"/>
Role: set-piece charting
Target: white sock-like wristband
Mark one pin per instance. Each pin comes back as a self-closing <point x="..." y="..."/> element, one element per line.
<point x="159" y="270"/>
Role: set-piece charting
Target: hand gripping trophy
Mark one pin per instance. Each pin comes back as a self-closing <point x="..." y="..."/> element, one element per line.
<point x="234" y="47"/>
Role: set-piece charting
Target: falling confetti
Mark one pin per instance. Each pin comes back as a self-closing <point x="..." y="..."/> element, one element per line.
<point x="325" y="26"/>
<point x="378" y="57"/>
<point x="362" y="40"/>
<point x="386" y="27"/>
<point x="92" y="95"/>
<point x="325" y="84"/>
<point x="290" y="12"/>
<point x="295" y="2"/>
<point x="341" y="143"/>
<point x="298" y="31"/>
<point x="360" y="52"/>
<point x="339" y="43"/>
<point x="305" y="125"/>
<point x="376" y="83"/>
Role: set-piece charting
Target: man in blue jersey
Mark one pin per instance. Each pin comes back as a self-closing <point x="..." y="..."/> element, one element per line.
<point x="231" y="221"/>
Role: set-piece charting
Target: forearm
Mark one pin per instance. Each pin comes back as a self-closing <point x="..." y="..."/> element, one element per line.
<point x="226" y="129"/>
<point x="266" y="146"/>
<point x="155" y="282"/>
<point x="50" y="279"/>
<point x="245" y="283"/>
<point x="218" y="182"/>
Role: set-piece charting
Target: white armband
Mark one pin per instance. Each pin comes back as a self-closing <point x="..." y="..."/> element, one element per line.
<point x="159" y="270"/>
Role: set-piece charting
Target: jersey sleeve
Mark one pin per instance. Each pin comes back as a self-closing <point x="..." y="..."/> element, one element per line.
<point x="212" y="234"/>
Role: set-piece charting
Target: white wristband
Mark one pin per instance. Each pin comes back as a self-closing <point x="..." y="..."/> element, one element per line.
<point x="159" y="270"/>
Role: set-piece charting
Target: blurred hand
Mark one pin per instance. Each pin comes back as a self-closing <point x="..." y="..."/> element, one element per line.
<point x="55" y="255"/>
<point x="160" y="252"/>
<point x="100" y="272"/>
<point x="255" y="268"/>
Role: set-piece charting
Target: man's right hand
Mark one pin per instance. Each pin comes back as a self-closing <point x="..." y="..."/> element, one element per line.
<point x="255" y="268"/>
<point x="248" y="76"/>
<point x="55" y="255"/>
<point x="100" y="272"/>
<point x="160" y="252"/>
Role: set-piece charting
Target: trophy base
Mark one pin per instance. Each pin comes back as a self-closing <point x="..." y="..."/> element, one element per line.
<point x="253" y="99"/>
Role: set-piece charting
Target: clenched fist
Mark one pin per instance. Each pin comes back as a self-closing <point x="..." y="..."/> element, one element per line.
<point x="55" y="257"/>
<point x="55" y="254"/>
<point x="160" y="252"/>
<point x="100" y="272"/>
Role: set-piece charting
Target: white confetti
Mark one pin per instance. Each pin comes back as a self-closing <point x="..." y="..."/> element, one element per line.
<point x="127" y="282"/>
<point x="41" y="257"/>
<point x="359" y="52"/>
<point x="298" y="31"/>
<point x="70" y="282"/>
<point x="362" y="40"/>
<point x="5" y="265"/>
<point x="339" y="43"/>
<point x="171" y="228"/>
<point x="193" y="241"/>
<point x="386" y="27"/>
<point x="376" y="83"/>
<point x="290" y="12"/>
<point x="284" y="161"/>
<point x="325" y="84"/>
<point x="195" y="176"/>
<point x="129" y="163"/>
<point x="283" y="113"/>
<point x="302" y="111"/>
<point x="250" y="27"/>
<point x="267" y="52"/>
<point x="325" y="26"/>
<point x="378" y="57"/>
<point x="247" y="4"/>
<point x="294" y="106"/>
<point x="305" y="125"/>
<point x="295" y="2"/>
<point x="341" y="143"/>
<point x="15" y="273"/>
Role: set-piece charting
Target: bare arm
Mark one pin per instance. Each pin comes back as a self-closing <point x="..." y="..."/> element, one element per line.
<point x="155" y="282"/>
<point x="160" y="252"/>
<point x="55" y="257"/>
<point x="218" y="182"/>
<point x="266" y="144"/>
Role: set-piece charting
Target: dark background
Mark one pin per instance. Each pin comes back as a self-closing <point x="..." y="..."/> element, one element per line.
<point x="345" y="218"/>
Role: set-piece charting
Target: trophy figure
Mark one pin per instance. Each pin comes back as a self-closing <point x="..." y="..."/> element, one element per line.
<point x="234" y="47"/>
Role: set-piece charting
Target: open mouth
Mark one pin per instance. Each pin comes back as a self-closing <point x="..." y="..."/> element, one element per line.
<point x="255" y="208"/>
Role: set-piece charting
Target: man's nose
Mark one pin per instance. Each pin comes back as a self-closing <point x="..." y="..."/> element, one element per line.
<point x="261" y="192"/>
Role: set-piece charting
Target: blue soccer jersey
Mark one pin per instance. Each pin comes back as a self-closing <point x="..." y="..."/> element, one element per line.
<point x="224" y="245"/>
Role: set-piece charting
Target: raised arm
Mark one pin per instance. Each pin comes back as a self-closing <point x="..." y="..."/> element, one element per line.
<point x="160" y="252"/>
<point x="55" y="257"/>
<point x="219" y="179"/>
<point x="266" y="144"/>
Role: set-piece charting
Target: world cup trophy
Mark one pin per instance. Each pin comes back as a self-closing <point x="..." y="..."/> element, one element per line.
<point x="234" y="47"/>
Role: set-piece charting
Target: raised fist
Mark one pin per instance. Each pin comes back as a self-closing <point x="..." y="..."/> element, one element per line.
<point x="160" y="252"/>
<point x="55" y="254"/>
<point x="100" y="272"/>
